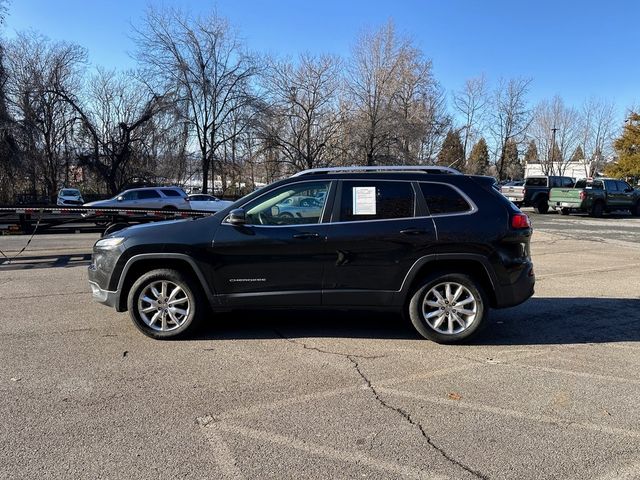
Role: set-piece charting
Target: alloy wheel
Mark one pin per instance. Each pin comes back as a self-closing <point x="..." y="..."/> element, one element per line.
<point x="163" y="305"/>
<point x="449" y="308"/>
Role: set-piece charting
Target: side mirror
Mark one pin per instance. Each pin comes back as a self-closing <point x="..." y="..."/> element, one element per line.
<point x="120" y="198"/>
<point x="237" y="217"/>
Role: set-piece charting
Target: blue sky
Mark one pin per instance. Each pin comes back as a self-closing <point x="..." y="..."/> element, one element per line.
<point x="575" y="49"/>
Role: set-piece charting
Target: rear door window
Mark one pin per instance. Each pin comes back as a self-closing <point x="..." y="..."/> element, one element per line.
<point x="376" y="200"/>
<point x="443" y="199"/>
<point x="146" y="194"/>
<point x="170" y="193"/>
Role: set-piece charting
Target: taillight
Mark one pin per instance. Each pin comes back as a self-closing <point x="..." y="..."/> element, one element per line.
<point x="520" y="220"/>
<point x="583" y="195"/>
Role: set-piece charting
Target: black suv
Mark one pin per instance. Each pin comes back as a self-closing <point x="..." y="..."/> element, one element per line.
<point x="441" y="246"/>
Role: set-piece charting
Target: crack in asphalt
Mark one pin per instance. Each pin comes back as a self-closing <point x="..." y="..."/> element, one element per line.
<point x="406" y="415"/>
<point x="328" y="352"/>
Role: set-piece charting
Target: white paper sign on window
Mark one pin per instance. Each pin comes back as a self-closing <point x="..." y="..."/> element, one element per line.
<point x="364" y="200"/>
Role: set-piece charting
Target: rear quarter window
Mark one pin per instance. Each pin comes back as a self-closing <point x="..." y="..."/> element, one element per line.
<point x="443" y="199"/>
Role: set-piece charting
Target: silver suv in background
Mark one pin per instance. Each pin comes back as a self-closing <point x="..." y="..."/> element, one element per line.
<point x="167" y="198"/>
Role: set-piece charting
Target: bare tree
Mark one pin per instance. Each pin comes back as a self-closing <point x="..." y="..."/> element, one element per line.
<point x="597" y="127"/>
<point x="379" y="60"/>
<point x="112" y="113"/>
<point x="511" y="117"/>
<point x="39" y="68"/>
<point x="555" y="129"/>
<point x="471" y="104"/>
<point x="438" y="123"/>
<point x="302" y="117"/>
<point x="204" y="62"/>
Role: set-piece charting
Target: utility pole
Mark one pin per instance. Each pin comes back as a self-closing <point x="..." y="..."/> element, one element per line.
<point x="553" y="148"/>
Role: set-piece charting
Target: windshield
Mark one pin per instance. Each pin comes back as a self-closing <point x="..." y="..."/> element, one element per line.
<point x="69" y="192"/>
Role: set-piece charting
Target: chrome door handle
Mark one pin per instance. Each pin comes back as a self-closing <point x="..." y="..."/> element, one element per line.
<point x="302" y="236"/>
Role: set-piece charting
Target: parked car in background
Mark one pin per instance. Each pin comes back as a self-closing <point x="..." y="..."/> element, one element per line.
<point x="299" y="207"/>
<point x="201" y="201"/>
<point x="535" y="192"/>
<point x="167" y="198"/>
<point x="69" y="197"/>
<point x="596" y="197"/>
<point x="514" y="191"/>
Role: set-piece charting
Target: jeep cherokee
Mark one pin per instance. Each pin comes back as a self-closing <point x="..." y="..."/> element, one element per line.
<point x="441" y="246"/>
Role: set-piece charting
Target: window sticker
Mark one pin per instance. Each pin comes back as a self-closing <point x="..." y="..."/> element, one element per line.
<point x="364" y="200"/>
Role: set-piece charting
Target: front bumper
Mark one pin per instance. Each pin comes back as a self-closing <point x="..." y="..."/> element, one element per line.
<point x="104" y="296"/>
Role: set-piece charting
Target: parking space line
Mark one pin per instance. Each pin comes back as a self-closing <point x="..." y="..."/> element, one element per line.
<point x="324" y="451"/>
<point x="628" y="266"/>
<point x="628" y="472"/>
<point x="222" y="454"/>
<point x="287" y="402"/>
<point x="595" y="376"/>
<point x="508" y="412"/>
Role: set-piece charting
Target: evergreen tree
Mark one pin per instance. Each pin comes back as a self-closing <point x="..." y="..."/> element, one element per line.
<point x="452" y="152"/>
<point x="554" y="155"/>
<point x="628" y="149"/>
<point x="512" y="166"/>
<point x="478" y="163"/>
<point x="578" y="155"/>
<point x="531" y="155"/>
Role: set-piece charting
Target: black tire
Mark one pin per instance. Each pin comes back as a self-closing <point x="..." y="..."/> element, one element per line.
<point x="597" y="210"/>
<point x="436" y="281"/>
<point x="541" y="206"/>
<point x="114" y="227"/>
<point x="564" y="211"/>
<point x="635" y="210"/>
<point x="186" y="324"/>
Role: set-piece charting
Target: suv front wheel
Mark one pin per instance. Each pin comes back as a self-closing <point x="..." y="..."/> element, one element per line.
<point x="165" y="304"/>
<point x="448" y="307"/>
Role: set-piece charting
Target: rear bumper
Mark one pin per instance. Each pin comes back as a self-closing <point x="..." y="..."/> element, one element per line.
<point x="517" y="292"/>
<point x="567" y="204"/>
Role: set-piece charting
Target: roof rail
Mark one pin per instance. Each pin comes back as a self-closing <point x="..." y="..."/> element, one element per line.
<point x="395" y="168"/>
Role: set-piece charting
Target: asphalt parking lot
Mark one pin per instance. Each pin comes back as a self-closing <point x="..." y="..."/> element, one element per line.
<point x="549" y="390"/>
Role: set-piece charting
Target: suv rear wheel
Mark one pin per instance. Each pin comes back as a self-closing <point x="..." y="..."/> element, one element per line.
<point x="165" y="304"/>
<point x="448" y="307"/>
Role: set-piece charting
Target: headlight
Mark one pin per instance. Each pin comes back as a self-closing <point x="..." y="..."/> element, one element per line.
<point x="109" y="243"/>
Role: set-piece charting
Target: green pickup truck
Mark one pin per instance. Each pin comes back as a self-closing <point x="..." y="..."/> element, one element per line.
<point x="596" y="197"/>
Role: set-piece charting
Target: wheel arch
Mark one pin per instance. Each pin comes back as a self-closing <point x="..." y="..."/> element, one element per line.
<point x="477" y="266"/>
<point x="139" y="264"/>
